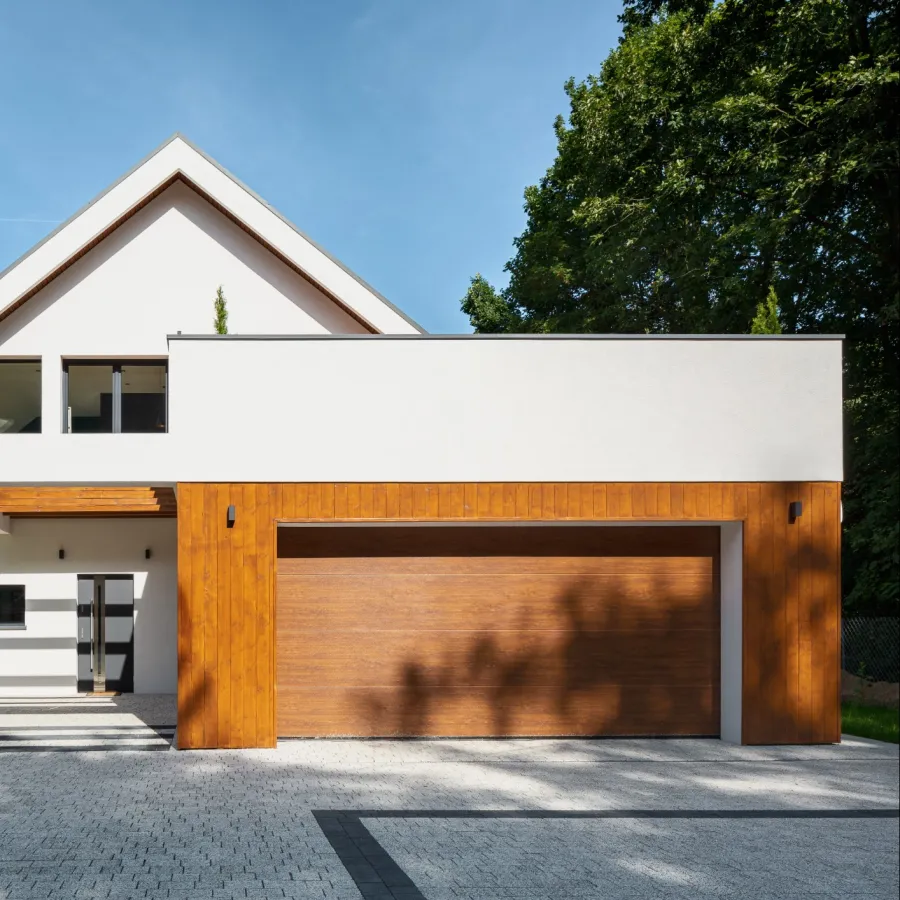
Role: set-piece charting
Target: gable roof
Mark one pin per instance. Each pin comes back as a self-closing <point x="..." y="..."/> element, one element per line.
<point x="179" y="160"/>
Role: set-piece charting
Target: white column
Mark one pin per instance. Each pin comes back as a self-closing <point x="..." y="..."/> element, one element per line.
<point x="51" y="394"/>
<point x="732" y="681"/>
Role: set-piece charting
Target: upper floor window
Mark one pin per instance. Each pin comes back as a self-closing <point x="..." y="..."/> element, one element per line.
<point x="20" y="396"/>
<point x="112" y="396"/>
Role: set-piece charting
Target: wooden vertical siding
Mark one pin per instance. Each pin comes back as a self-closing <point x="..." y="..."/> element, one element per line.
<point x="226" y="598"/>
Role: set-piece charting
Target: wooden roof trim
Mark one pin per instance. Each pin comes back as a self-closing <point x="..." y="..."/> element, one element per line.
<point x="179" y="176"/>
<point x="20" y="301"/>
<point x="278" y="254"/>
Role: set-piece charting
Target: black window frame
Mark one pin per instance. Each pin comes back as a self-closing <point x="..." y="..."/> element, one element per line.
<point x="14" y="626"/>
<point x="116" y="364"/>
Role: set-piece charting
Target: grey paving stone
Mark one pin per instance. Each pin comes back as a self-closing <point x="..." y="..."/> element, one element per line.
<point x="94" y="825"/>
<point x="560" y="857"/>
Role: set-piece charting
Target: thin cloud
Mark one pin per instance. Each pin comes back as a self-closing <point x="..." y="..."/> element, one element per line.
<point x="35" y="221"/>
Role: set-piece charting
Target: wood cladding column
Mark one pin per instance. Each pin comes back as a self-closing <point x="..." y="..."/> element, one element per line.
<point x="791" y="577"/>
<point x="225" y="616"/>
<point x="792" y="615"/>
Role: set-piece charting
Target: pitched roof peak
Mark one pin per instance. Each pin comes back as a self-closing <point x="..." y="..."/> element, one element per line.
<point x="177" y="158"/>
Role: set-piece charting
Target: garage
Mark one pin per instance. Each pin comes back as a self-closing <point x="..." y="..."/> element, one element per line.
<point x="497" y="630"/>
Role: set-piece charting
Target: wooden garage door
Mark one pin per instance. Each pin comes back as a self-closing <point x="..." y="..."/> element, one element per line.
<point x="493" y="630"/>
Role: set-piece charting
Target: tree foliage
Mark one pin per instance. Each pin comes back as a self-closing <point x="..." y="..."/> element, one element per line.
<point x="487" y="310"/>
<point x="725" y="149"/>
<point x="766" y="320"/>
<point x="220" y="307"/>
<point x="641" y="13"/>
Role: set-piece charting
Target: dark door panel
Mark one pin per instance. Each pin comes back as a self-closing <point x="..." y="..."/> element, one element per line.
<point x="119" y="633"/>
<point x="85" y="624"/>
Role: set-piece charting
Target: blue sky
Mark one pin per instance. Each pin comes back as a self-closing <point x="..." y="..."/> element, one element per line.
<point x="399" y="134"/>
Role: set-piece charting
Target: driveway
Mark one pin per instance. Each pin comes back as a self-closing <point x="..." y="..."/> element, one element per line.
<point x="447" y="820"/>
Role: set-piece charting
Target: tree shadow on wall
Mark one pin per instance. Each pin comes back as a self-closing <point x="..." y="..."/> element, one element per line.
<point x="623" y="666"/>
<point x="643" y="660"/>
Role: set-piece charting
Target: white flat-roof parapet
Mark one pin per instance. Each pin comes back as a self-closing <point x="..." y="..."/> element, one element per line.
<point x="506" y="408"/>
<point x="253" y="408"/>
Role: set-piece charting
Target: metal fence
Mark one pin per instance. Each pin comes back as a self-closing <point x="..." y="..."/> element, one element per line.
<point x="871" y="648"/>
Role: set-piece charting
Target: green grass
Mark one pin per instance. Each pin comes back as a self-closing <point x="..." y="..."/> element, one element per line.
<point x="871" y="722"/>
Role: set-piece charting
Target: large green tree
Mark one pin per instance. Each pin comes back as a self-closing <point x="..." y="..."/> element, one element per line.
<point x="724" y="151"/>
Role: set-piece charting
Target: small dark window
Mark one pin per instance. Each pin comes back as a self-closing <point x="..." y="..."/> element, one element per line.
<point x="12" y="604"/>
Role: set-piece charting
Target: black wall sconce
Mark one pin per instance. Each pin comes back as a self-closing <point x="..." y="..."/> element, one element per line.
<point x="795" y="510"/>
<point x="62" y="553"/>
<point x="229" y="517"/>
<point x="148" y="553"/>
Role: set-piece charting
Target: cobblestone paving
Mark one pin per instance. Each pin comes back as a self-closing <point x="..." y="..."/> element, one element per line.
<point x="628" y="859"/>
<point x="218" y="824"/>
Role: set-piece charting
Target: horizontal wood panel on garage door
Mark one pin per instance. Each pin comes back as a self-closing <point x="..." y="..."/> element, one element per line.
<point x="501" y="710"/>
<point x="484" y="630"/>
<point x="497" y="601"/>
<point x="467" y="658"/>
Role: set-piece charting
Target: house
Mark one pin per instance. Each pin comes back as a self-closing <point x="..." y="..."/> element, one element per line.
<point x="330" y="523"/>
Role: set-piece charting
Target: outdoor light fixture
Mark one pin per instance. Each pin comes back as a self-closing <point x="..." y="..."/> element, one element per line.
<point x="148" y="553"/>
<point x="62" y="553"/>
<point x="795" y="510"/>
<point x="229" y="518"/>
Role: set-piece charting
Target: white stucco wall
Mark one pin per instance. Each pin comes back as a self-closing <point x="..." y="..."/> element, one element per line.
<point x="509" y="410"/>
<point x="157" y="274"/>
<point x="41" y="659"/>
<point x="484" y="410"/>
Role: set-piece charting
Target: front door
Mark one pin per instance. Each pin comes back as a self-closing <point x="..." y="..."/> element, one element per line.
<point x="106" y="633"/>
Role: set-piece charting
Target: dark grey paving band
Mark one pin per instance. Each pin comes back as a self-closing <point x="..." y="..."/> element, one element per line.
<point x="371" y="867"/>
<point x="880" y="813"/>
<point x="378" y="876"/>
